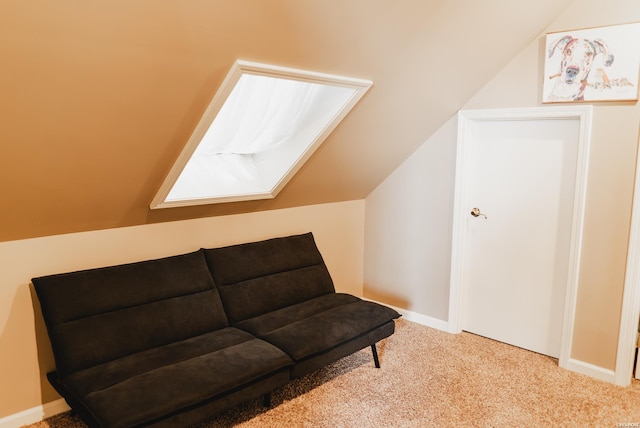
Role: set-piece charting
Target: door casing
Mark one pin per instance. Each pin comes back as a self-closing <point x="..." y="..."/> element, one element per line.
<point x="628" y="336"/>
<point x="464" y="163"/>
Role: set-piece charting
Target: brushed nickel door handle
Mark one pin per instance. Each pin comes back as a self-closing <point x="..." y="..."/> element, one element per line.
<point x="477" y="213"/>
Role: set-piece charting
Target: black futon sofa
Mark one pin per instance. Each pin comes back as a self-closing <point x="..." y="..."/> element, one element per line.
<point x="173" y="341"/>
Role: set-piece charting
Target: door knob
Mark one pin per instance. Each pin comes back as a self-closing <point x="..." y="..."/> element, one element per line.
<point x="476" y="213"/>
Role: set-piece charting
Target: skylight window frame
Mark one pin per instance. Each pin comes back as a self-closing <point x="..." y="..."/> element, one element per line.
<point x="239" y="68"/>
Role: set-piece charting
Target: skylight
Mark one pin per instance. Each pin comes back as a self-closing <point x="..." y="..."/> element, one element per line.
<point x="261" y="126"/>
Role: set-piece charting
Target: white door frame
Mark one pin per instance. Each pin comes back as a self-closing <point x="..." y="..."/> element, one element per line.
<point x="629" y="318"/>
<point x="464" y="162"/>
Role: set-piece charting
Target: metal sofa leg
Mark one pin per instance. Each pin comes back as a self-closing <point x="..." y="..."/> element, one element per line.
<point x="375" y="355"/>
<point x="266" y="400"/>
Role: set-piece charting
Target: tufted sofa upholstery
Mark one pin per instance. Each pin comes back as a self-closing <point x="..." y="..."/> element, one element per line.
<point x="172" y="341"/>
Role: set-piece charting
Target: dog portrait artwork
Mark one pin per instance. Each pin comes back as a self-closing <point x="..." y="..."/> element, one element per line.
<point x="590" y="65"/>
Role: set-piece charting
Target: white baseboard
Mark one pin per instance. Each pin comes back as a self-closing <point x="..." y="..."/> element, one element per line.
<point x="424" y="320"/>
<point x="591" y="370"/>
<point x="34" y="414"/>
<point x="419" y="318"/>
<point x="573" y="365"/>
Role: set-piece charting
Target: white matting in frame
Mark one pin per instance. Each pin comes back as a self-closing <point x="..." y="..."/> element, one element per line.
<point x="595" y="64"/>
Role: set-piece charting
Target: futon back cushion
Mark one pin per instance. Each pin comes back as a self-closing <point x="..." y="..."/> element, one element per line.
<point x="98" y="315"/>
<point x="260" y="277"/>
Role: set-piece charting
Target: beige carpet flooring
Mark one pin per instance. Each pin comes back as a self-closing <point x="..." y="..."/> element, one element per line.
<point x="434" y="379"/>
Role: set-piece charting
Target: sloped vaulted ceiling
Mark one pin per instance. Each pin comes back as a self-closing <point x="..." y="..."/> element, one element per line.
<point x="98" y="98"/>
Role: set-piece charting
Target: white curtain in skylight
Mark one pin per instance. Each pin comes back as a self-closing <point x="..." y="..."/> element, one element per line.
<point x="264" y="126"/>
<point x="260" y="114"/>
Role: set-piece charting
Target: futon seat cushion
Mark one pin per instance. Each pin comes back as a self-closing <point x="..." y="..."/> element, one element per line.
<point x="143" y="387"/>
<point x="318" y="325"/>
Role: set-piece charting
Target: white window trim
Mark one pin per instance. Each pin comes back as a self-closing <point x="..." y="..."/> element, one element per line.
<point x="239" y="68"/>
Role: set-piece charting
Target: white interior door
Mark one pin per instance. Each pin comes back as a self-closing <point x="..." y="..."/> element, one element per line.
<point x="516" y="253"/>
<point x="517" y="257"/>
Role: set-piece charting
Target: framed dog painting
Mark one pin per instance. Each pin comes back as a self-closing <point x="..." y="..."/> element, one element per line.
<point x="596" y="64"/>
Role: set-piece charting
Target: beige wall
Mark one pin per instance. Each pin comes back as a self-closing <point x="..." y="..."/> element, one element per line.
<point x="25" y="354"/>
<point x="610" y="180"/>
<point x="408" y="226"/>
<point x="608" y="206"/>
<point x="99" y="98"/>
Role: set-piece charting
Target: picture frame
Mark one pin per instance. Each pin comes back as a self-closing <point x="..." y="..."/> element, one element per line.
<point x="594" y="64"/>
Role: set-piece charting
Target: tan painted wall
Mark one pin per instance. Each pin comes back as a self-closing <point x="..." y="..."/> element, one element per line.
<point x="610" y="179"/>
<point x="409" y="214"/>
<point x="25" y="355"/>
<point x="98" y="98"/>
